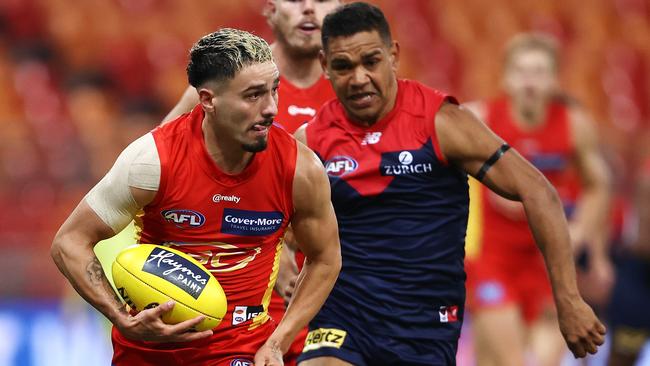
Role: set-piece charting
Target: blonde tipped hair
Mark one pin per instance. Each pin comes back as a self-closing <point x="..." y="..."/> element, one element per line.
<point x="220" y="55"/>
<point x="532" y="42"/>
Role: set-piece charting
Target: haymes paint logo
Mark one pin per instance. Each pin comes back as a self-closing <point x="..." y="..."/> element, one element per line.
<point x="250" y="223"/>
<point x="173" y="268"/>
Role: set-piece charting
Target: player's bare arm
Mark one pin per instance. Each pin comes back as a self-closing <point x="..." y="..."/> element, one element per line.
<point x="72" y="251"/>
<point x="590" y="222"/>
<point x="466" y="142"/>
<point x="589" y="225"/>
<point x="315" y="228"/>
<point x="188" y="100"/>
<point x="288" y="272"/>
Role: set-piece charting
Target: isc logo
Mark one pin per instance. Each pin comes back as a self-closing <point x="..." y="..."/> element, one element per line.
<point x="339" y="166"/>
<point x="184" y="219"/>
<point x="243" y="314"/>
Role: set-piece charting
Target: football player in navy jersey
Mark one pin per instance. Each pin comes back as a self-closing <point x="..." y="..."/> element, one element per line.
<point x="397" y="154"/>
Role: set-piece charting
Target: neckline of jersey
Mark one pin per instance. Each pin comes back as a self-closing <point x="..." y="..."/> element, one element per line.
<point x="287" y="84"/>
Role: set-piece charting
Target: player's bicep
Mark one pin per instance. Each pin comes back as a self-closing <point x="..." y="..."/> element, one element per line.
<point x="84" y="226"/>
<point x="469" y="144"/>
<point x="314" y="223"/>
<point x="131" y="184"/>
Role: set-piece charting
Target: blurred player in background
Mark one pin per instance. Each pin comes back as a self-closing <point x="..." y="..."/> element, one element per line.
<point x="628" y="310"/>
<point x="397" y="154"/>
<point x="227" y="147"/>
<point x="303" y="89"/>
<point x="510" y="296"/>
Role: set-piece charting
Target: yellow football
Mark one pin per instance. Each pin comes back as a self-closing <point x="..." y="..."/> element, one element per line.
<point x="148" y="275"/>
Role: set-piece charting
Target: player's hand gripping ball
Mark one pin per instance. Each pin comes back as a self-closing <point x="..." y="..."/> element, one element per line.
<point x="148" y="275"/>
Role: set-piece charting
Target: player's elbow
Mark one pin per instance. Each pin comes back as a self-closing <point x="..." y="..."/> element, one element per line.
<point x="338" y="261"/>
<point x="334" y="261"/>
<point x="57" y="250"/>
<point x="540" y="192"/>
<point x="600" y="182"/>
<point x="61" y="250"/>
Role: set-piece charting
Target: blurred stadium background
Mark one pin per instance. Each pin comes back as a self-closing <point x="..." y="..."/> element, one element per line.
<point x="80" y="79"/>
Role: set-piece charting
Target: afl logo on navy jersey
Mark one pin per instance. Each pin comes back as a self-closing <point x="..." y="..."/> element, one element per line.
<point x="339" y="166"/>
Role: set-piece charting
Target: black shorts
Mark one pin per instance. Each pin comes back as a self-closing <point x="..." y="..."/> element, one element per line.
<point x="628" y="315"/>
<point x="335" y="333"/>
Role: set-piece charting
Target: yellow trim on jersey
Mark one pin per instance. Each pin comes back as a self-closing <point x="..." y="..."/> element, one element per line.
<point x="475" y="221"/>
<point x="266" y="299"/>
<point x="138" y="225"/>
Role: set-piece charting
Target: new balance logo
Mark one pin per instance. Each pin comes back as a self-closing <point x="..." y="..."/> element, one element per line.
<point x="371" y="138"/>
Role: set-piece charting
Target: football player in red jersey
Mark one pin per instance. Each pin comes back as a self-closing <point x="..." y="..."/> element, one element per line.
<point x="245" y="180"/>
<point x="397" y="154"/>
<point x="303" y="89"/>
<point x="509" y="292"/>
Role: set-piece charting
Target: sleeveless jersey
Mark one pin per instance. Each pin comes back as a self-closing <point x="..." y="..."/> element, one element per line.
<point x="402" y="215"/>
<point x="549" y="148"/>
<point x="297" y="106"/>
<point x="232" y="224"/>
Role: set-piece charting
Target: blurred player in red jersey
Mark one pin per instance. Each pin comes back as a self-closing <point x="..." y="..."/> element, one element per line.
<point x="628" y="314"/>
<point x="303" y="89"/>
<point x="509" y="291"/>
<point x="244" y="180"/>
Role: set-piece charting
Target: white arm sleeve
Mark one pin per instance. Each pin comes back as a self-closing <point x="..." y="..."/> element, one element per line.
<point x="137" y="166"/>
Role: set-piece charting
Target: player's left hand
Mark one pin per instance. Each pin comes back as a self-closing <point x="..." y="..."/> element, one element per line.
<point x="582" y="330"/>
<point x="269" y="355"/>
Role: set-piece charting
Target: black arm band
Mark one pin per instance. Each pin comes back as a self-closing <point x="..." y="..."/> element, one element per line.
<point x="489" y="162"/>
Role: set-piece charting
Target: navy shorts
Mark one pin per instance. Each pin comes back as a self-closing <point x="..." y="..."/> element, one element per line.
<point x="628" y="316"/>
<point x="335" y="333"/>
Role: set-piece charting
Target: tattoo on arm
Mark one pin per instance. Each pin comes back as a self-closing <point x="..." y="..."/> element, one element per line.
<point x="97" y="277"/>
<point x="95" y="272"/>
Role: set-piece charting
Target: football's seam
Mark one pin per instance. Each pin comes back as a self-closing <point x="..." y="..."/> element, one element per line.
<point x="147" y="284"/>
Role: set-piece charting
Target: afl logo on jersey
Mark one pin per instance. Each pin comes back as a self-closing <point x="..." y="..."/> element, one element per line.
<point x="339" y="166"/>
<point x="241" y="362"/>
<point x="184" y="219"/>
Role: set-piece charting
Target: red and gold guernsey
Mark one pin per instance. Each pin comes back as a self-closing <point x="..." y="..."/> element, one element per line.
<point x="232" y="224"/>
<point x="297" y="106"/>
<point x="550" y="149"/>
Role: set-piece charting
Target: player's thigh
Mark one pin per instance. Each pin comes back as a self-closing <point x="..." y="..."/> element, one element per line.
<point x="499" y="335"/>
<point x="324" y="361"/>
<point x="546" y="341"/>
